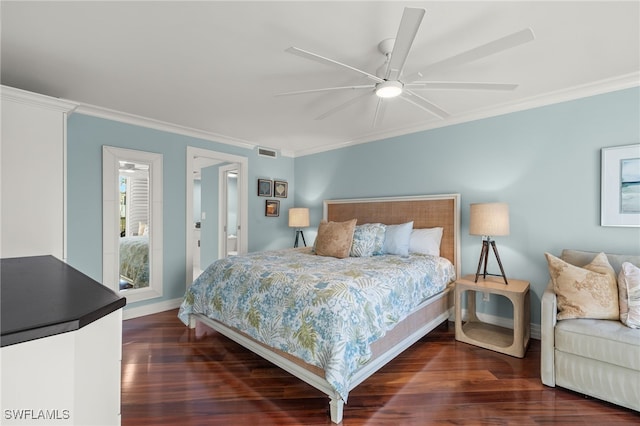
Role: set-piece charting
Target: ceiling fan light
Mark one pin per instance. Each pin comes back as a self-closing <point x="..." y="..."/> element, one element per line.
<point x="388" y="89"/>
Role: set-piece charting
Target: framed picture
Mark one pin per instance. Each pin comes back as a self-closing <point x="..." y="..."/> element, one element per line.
<point x="272" y="208"/>
<point x="620" y="186"/>
<point x="264" y="188"/>
<point x="280" y="188"/>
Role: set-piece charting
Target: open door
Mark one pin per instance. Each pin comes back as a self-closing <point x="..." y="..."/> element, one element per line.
<point x="214" y="235"/>
<point x="229" y="229"/>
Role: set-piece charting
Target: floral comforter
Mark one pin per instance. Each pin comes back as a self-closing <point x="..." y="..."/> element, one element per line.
<point x="134" y="260"/>
<point x="323" y="310"/>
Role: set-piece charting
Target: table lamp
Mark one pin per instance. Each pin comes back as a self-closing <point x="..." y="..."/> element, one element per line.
<point x="488" y="220"/>
<point x="299" y="218"/>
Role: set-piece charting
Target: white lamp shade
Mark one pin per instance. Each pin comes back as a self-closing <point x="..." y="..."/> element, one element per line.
<point x="299" y="217"/>
<point x="489" y="219"/>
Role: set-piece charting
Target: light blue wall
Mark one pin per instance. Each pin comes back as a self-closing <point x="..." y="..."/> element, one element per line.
<point x="85" y="137"/>
<point x="544" y="162"/>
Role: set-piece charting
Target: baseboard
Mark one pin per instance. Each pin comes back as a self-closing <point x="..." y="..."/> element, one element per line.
<point x="502" y="322"/>
<point x="151" y="308"/>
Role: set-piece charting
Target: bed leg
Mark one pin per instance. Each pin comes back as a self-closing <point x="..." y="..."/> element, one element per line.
<point x="192" y="321"/>
<point x="336" y="406"/>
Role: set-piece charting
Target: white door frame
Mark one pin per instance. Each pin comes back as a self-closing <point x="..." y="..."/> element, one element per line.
<point x="223" y="199"/>
<point x="243" y="197"/>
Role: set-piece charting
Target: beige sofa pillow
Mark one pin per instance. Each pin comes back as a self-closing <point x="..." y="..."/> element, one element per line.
<point x="629" y="291"/>
<point x="335" y="238"/>
<point x="587" y="292"/>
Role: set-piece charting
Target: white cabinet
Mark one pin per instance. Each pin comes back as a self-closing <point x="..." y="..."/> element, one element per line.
<point x="60" y="345"/>
<point x="71" y="378"/>
<point x="32" y="156"/>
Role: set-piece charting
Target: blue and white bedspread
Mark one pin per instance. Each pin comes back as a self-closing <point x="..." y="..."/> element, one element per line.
<point x="323" y="310"/>
<point x="134" y="260"/>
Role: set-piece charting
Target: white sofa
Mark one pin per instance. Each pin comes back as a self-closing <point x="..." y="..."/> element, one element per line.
<point x="599" y="358"/>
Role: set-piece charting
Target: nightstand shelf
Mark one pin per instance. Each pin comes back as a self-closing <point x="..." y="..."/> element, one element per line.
<point x="512" y="342"/>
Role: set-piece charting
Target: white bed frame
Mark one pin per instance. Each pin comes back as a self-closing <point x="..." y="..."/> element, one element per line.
<point x="336" y="404"/>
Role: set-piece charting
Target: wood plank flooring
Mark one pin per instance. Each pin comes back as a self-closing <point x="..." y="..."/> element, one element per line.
<point x="172" y="375"/>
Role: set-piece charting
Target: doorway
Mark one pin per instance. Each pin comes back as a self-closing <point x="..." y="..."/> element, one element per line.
<point x="216" y="208"/>
<point x="228" y="210"/>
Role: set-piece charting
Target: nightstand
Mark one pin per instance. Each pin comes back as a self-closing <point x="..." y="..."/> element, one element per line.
<point x="512" y="342"/>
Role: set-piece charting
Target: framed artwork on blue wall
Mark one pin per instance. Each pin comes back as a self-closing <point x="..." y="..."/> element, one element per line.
<point x="620" y="186"/>
<point x="280" y="188"/>
<point x="264" y="188"/>
<point x="272" y="208"/>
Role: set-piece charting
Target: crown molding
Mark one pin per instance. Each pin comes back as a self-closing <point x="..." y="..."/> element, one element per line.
<point x="31" y="98"/>
<point x="577" y="92"/>
<point x="68" y="106"/>
<point x="137" y="120"/>
<point x="626" y="81"/>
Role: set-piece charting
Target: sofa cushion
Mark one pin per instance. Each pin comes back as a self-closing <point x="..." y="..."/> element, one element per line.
<point x="629" y="290"/>
<point x="589" y="292"/>
<point x="607" y="341"/>
<point x="580" y="258"/>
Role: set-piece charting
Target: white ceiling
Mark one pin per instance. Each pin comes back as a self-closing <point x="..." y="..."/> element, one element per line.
<point x="215" y="67"/>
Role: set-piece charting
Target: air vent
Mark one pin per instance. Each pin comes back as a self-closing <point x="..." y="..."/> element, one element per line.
<point x="264" y="152"/>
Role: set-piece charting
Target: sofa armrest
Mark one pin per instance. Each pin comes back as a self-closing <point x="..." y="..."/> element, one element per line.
<point x="548" y="320"/>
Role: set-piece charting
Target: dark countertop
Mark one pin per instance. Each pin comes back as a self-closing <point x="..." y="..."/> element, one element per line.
<point x="42" y="296"/>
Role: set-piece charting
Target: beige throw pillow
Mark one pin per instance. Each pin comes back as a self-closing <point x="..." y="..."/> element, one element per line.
<point x="629" y="291"/>
<point x="335" y="238"/>
<point x="587" y="292"/>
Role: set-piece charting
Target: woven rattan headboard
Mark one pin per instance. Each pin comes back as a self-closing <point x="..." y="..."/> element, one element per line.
<point x="425" y="211"/>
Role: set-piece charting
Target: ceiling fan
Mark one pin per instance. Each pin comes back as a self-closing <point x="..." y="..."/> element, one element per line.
<point x="389" y="80"/>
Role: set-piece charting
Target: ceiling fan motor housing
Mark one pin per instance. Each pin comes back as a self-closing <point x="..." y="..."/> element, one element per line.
<point x="386" y="46"/>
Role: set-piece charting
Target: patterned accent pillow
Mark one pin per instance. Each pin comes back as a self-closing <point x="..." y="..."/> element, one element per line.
<point x="368" y="240"/>
<point x="587" y="292"/>
<point x="334" y="238"/>
<point x="629" y="292"/>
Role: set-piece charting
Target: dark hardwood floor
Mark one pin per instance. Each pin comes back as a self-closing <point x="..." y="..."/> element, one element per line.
<point x="172" y="375"/>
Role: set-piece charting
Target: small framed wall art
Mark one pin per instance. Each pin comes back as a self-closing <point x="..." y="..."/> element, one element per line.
<point x="272" y="208"/>
<point x="265" y="188"/>
<point x="280" y="188"/>
<point x="620" y="186"/>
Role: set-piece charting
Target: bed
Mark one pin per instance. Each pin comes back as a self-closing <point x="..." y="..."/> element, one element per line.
<point x="134" y="262"/>
<point x="398" y="299"/>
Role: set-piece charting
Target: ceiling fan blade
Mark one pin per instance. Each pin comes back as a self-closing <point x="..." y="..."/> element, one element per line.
<point x="327" y="61"/>
<point x="327" y="89"/>
<point x="460" y="85"/>
<point x="426" y="105"/>
<point x="499" y="45"/>
<point x="381" y="107"/>
<point x="409" y="25"/>
<point x="344" y="105"/>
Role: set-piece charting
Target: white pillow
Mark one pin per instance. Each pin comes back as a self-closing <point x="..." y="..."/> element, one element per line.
<point x="629" y="294"/>
<point x="426" y="241"/>
<point x="396" y="239"/>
